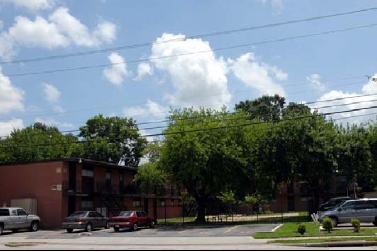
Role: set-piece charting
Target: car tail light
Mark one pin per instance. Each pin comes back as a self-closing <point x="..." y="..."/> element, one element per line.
<point x="79" y="220"/>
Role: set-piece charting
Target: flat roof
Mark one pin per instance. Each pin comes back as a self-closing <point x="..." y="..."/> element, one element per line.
<point x="78" y="160"/>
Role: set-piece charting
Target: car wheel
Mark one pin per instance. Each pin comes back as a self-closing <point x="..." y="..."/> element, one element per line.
<point x="69" y="230"/>
<point x="1" y="229"/>
<point x="134" y="226"/>
<point x="88" y="227"/>
<point x="152" y="224"/>
<point x="106" y="225"/>
<point x="375" y="221"/>
<point x="116" y="229"/>
<point x="334" y="221"/>
<point x="34" y="226"/>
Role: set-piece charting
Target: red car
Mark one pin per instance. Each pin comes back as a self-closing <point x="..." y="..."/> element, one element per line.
<point x="131" y="219"/>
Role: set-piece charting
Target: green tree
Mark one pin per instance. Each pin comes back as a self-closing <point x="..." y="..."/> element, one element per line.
<point x="201" y="153"/>
<point x="35" y="143"/>
<point x="266" y="108"/>
<point x="112" y="139"/>
<point x="150" y="177"/>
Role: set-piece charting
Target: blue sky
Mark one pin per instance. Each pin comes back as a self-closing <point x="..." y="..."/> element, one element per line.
<point x="157" y="76"/>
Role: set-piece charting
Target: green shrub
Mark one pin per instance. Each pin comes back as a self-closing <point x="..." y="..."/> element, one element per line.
<point x="327" y="224"/>
<point x="301" y="228"/>
<point x="355" y="224"/>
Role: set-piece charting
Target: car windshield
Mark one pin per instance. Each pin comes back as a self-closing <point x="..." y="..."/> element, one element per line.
<point x="126" y="213"/>
<point x="78" y="214"/>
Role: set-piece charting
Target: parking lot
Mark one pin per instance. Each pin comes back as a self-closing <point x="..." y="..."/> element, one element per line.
<point x="161" y="231"/>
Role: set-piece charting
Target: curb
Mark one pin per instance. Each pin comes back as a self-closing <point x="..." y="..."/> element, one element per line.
<point x="336" y="244"/>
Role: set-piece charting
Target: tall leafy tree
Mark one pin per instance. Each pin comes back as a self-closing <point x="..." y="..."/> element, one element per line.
<point x="266" y="108"/>
<point x="111" y="139"/>
<point x="35" y="143"/>
<point x="201" y="153"/>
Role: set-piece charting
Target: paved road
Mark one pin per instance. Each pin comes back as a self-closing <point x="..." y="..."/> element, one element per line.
<point x="236" y="237"/>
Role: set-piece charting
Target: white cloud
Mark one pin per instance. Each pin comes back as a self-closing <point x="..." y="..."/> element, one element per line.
<point x="32" y="5"/>
<point x="38" y="33"/>
<point x="277" y="5"/>
<point x="315" y="81"/>
<point x="199" y="79"/>
<point x="60" y="30"/>
<point x="258" y="75"/>
<point x="371" y="86"/>
<point x="356" y="117"/>
<point x="105" y="31"/>
<point x="53" y="122"/>
<point x="78" y="32"/>
<point x="7" y="127"/>
<point x="118" y="70"/>
<point x="52" y="93"/>
<point x="7" y="49"/>
<point x="151" y="108"/>
<point x="10" y="97"/>
<point x="143" y="69"/>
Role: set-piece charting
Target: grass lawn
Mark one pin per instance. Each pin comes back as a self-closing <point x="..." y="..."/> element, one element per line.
<point x="322" y="240"/>
<point x="312" y="230"/>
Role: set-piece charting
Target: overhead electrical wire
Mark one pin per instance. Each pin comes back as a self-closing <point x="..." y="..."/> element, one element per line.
<point x="193" y="53"/>
<point x="203" y="35"/>
<point x="193" y="130"/>
<point x="187" y="99"/>
<point x="306" y="103"/>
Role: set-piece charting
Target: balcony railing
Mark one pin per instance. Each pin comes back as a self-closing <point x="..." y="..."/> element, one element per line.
<point x="89" y="187"/>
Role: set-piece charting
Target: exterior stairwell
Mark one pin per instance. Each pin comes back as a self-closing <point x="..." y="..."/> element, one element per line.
<point x="112" y="203"/>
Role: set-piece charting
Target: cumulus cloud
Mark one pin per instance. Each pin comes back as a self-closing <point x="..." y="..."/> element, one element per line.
<point x="53" y="122"/>
<point x="6" y="127"/>
<point x="364" y="100"/>
<point x="37" y="33"/>
<point x="143" y="69"/>
<point x="61" y="29"/>
<point x="315" y="81"/>
<point x="199" y="79"/>
<point x="277" y="5"/>
<point x="258" y="75"/>
<point x="7" y="49"/>
<point x="52" y="93"/>
<point x="78" y="32"/>
<point x="32" y="5"/>
<point x="151" y="108"/>
<point x="118" y="70"/>
<point x="10" y="97"/>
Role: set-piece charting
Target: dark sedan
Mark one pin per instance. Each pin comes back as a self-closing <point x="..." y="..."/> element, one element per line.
<point x="87" y="220"/>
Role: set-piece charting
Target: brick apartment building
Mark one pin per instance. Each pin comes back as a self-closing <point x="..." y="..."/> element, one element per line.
<point x="57" y="188"/>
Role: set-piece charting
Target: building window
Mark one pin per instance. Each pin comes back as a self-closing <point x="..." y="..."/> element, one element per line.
<point x="87" y="204"/>
<point x="87" y="173"/>
<point x="162" y="202"/>
<point x="108" y="175"/>
<point x="136" y="203"/>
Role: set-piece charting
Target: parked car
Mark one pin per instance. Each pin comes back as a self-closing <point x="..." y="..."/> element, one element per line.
<point x="87" y="220"/>
<point x="132" y="220"/>
<point x="15" y="218"/>
<point x="363" y="209"/>
<point x="332" y="203"/>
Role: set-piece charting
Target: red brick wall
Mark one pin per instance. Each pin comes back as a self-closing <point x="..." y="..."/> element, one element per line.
<point x="34" y="180"/>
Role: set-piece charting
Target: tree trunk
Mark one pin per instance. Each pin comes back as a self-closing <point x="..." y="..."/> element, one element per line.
<point x="201" y="215"/>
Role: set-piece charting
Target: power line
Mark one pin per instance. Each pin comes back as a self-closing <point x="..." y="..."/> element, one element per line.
<point x="187" y="98"/>
<point x="203" y="35"/>
<point x="193" y="130"/>
<point x="311" y="102"/>
<point x="193" y="53"/>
